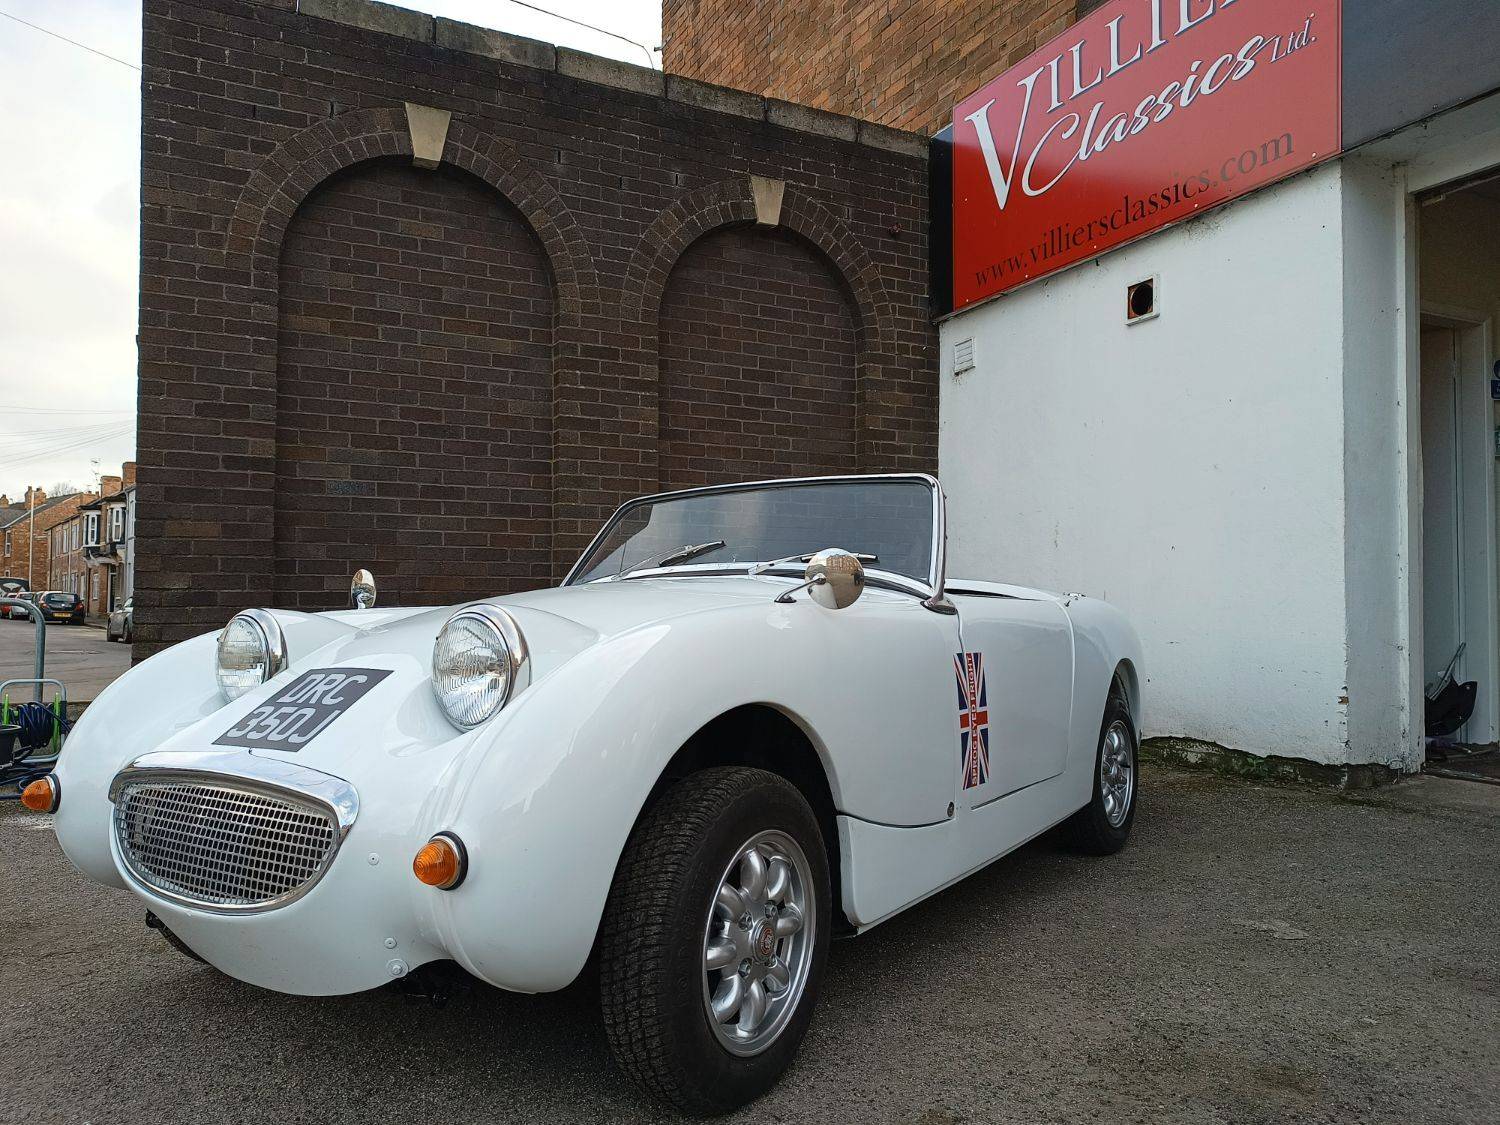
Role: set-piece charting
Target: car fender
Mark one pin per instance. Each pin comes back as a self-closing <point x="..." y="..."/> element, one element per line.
<point x="1103" y="640"/>
<point x="546" y="803"/>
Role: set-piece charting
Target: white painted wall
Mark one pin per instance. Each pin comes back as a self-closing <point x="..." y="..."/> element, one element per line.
<point x="1377" y="507"/>
<point x="1190" y="469"/>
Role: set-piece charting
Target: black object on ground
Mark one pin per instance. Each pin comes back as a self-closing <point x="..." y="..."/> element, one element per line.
<point x="1451" y="709"/>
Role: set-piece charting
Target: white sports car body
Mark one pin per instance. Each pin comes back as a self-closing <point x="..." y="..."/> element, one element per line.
<point x="264" y="791"/>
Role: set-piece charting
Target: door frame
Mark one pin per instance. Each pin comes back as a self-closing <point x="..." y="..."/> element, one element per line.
<point x="1479" y="561"/>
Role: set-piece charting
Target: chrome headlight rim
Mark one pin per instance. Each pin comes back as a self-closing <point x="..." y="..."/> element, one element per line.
<point x="518" y="657"/>
<point x="273" y="644"/>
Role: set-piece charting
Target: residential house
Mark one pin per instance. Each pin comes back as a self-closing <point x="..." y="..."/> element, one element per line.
<point x="92" y="551"/>
<point x="109" y="540"/>
<point x="27" y="533"/>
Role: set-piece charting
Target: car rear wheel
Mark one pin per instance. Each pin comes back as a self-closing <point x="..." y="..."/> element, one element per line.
<point x="1103" y="825"/>
<point x="714" y="939"/>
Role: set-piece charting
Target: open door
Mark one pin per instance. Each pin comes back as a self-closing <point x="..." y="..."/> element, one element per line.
<point x="1458" y="515"/>
<point x="1442" y="629"/>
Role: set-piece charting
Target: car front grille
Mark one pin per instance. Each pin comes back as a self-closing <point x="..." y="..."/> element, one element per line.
<point x="222" y="844"/>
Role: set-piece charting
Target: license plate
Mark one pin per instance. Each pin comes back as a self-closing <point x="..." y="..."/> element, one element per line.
<point x="302" y="710"/>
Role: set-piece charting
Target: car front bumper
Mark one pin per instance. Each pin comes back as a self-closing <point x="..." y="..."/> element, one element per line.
<point x="211" y="844"/>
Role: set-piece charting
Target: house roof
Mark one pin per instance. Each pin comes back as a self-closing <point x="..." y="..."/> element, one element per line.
<point x="18" y="512"/>
<point x="112" y="498"/>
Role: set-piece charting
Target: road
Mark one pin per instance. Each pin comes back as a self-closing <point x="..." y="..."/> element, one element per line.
<point x="1256" y="955"/>
<point x="76" y="654"/>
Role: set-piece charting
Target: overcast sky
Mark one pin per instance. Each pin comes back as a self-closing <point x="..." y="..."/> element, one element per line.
<point x="69" y="201"/>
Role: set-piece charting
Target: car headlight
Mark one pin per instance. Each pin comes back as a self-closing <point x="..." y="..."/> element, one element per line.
<point x="252" y="649"/>
<point x="479" y="661"/>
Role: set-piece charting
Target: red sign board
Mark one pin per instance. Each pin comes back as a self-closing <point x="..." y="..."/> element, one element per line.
<point x="1145" y="113"/>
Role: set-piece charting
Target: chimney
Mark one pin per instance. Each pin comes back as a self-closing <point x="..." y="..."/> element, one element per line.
<point x="108" y="486"/>
<point x="35" y="497"/>
<point x="4" y="500"/>
<point x="127" y="471"/>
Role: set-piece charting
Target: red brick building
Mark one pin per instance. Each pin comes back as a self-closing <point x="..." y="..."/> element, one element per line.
<point x="86" y="549"/>
<point x="431" y="299"/>
<point x="89" y="550"/>
<point x="27" y="533"/>
<point x="903" y="63"/>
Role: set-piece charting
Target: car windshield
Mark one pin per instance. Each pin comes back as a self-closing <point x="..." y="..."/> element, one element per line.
<point x="59" y="599"/>
<point x="736" y="527"/>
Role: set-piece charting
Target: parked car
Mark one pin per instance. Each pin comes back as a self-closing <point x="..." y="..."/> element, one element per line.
<point x="13" y="588"/>
<point x="752" y="717"/>
<point x="57" y="605"/>
<point x="121" y="623"/>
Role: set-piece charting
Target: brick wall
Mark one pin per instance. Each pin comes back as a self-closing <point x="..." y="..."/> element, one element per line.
<point x="413" y="392"/>
<point x="451" y="374"/>
<point x="758" y="361"/>
<point x="903" y="63"/>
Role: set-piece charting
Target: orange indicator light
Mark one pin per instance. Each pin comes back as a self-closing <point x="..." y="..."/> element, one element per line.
<point x="440" y="863"/>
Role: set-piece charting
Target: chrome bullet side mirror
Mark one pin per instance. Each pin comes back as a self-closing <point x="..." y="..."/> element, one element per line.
<point x="362" y="590"/>
<point x="834" y="579"/>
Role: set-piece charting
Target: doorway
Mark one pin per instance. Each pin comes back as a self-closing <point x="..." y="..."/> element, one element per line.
<point x="1458" y="527"/>
<point x="1459" y="262"/>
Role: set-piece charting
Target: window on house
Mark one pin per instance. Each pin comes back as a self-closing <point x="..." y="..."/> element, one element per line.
<point x="77" y="534"/>
<point x="116" y="524"/>
<point x="7" y="542"/>
<point x="91" y="529"/>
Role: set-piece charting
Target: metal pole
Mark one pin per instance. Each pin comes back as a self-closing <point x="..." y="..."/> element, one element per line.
<point x="31" y="541"/>
<point x="41" y="636"/>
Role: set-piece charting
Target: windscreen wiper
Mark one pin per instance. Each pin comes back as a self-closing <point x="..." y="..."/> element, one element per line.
<point x="682" y="554"/>
<point x="762" y="567"/>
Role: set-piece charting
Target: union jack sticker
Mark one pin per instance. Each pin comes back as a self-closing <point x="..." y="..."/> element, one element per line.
<point x="973" y="718"/>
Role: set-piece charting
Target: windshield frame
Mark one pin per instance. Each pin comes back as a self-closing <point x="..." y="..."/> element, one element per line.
<point x="937" y="557"/>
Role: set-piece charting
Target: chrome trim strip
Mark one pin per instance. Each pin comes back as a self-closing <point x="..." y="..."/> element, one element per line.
<point x="939" y="602"/>
<point x="243" y="772"/>
<point x="937" y="574"/>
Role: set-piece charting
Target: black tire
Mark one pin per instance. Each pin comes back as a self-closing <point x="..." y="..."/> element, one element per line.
<point x="1090" y="830"/>
<point x="651" y="970"/>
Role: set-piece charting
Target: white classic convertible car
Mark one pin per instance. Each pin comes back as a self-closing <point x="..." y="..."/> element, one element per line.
<point x="753" y="717"/>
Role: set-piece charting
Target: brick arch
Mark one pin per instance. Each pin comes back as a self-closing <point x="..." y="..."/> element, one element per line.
<point x="728" y="203"/>
<point x="273" y="193"/>
<point x="253" y="240"/>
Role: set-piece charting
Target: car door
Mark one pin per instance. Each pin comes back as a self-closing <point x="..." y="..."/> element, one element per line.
<point x="884" y="667"/>
<point x="1014" y="686"/>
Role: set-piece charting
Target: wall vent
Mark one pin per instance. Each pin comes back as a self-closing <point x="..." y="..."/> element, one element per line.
<point x="963" y="356"/>
<point x="1141" y="300"/>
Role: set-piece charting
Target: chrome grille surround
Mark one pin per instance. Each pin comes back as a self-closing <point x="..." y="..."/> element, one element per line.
<point x="226" y="842"/>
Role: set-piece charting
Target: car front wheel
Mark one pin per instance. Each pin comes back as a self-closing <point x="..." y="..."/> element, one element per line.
<point x="714" y="938"/>
<point x="1103" y="825"/>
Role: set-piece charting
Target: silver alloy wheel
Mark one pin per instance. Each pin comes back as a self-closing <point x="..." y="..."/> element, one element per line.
<point x="1117" y="772"/>
<point x="758" y="943"/>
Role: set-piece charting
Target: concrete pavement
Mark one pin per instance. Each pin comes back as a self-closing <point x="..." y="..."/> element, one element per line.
<point x="1255" y="955"/>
